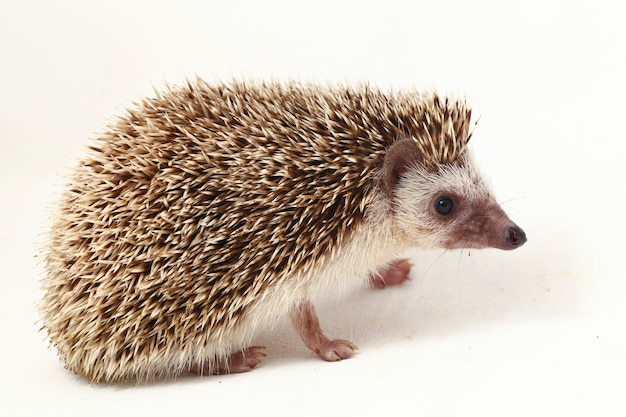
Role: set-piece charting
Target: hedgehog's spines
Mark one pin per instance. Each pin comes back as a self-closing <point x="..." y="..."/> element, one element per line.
<point x="203" y="199"/>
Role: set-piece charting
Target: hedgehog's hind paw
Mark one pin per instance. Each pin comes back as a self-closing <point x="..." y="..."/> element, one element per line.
<point x="241" y="361"/>
<point x="396" y="273"/>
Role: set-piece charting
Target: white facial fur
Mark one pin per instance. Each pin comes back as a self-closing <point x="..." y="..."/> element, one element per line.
<point x="474" y="206"/>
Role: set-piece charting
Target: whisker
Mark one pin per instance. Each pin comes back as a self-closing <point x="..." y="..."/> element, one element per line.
<point x="458" y="261"/>
<point x="511" y="199"/>
<point x="434" y="262"/>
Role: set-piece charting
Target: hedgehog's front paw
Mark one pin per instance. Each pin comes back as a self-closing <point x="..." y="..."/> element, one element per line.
<point x="336" y="350"/>
<point x="396" y="273"/>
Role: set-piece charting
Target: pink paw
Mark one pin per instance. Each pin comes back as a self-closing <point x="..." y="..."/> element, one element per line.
<point x="245" y="360"/>
<point x="396" y="273"/>
<point x="241" y="361"/>
<point x="336" y="350"/>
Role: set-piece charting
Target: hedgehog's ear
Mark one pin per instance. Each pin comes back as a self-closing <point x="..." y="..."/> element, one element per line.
<point x="399" y="157"/>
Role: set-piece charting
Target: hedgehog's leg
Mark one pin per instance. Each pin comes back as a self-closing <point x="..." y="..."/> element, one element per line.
<point x="396" y="273"/>
<point x="307" y="325"/>
<point x="241" y="361"/>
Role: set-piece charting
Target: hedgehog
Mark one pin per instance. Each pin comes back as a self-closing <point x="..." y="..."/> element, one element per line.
<point x="210" y="210"/>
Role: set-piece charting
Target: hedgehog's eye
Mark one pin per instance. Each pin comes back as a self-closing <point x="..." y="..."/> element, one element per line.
<point x="444" y="205"/>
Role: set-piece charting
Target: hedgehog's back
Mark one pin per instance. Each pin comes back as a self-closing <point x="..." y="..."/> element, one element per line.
<point x="199" y="199"/>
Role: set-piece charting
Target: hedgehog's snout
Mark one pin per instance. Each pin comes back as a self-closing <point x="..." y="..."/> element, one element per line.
<point x="515" y="237"/>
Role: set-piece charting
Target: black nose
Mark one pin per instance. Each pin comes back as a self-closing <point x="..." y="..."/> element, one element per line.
<point x="516" y="237"/>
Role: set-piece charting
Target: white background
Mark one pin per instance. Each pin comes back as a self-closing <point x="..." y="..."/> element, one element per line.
<point x="537" y="331"/>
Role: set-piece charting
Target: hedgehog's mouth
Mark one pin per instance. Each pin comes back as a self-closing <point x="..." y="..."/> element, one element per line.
<point x="508" y="239"/>
<point x="490" y="229"/>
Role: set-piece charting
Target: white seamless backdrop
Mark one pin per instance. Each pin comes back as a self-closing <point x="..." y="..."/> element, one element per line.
<point x="537" y="331"/>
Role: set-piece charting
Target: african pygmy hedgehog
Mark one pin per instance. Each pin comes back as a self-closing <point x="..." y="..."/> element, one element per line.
<point x="208" y="211"/>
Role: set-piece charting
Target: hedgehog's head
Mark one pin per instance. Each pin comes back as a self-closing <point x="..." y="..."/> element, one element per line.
<point x="437" y="196"/>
